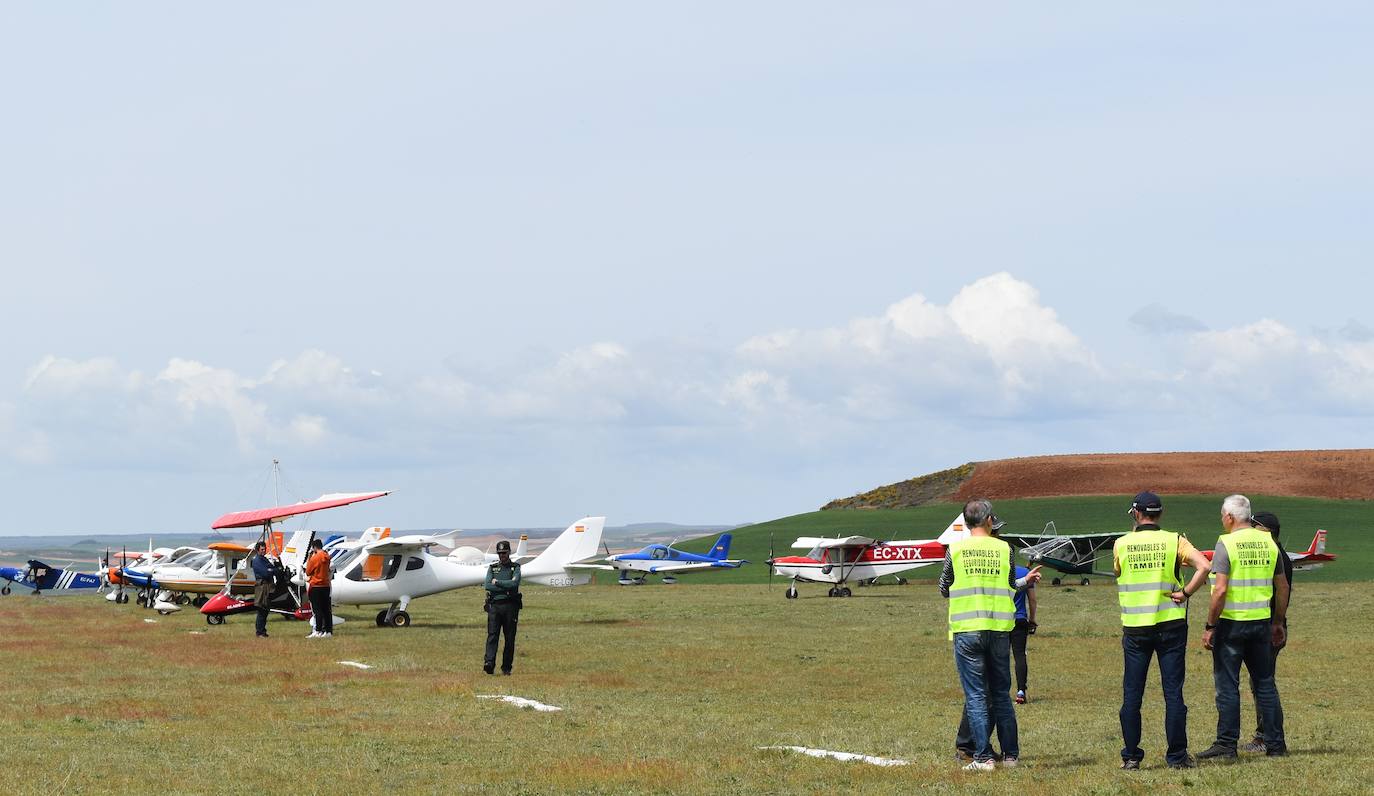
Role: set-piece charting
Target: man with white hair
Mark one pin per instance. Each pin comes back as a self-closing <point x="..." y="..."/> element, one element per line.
<point x="1242" y="627"/>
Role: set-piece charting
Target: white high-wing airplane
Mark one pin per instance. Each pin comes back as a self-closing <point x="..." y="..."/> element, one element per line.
<point x="408" y="570"/>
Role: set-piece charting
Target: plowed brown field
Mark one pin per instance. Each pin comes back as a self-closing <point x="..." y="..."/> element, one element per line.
<point x="1341" y="474"/>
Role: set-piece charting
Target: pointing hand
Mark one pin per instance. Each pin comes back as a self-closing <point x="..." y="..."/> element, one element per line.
<point x="1034" y="576"/>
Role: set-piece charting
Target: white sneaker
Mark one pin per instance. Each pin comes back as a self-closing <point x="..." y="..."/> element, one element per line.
<point x="326" y="635"/>
<point x="981" y="765"/>
<point x="315" y="634"/>
<point x="1009" y="762"/>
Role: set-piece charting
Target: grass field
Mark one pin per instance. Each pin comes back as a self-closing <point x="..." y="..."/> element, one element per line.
<point x="1350" y="522"/>
<point x="664" y="689"/>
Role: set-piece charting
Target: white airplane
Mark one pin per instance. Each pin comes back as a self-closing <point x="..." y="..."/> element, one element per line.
<point x="394" y="571"/>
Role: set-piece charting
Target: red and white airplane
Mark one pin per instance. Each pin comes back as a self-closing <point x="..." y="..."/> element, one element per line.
<point x="838" y="561"/>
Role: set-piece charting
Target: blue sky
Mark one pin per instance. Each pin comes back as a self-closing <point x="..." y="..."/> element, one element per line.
<point x="690" y="262"/>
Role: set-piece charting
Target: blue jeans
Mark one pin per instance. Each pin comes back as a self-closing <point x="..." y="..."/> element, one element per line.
<point x="1170" y="645"/>
<point x="1234" y="643"/>
<point x="983" y="658"/>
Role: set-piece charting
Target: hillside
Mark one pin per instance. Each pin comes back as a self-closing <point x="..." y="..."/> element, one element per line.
<point x="1334" y="474"/>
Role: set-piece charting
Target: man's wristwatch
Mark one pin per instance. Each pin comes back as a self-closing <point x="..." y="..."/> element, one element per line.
<point x="1209" y="627"/>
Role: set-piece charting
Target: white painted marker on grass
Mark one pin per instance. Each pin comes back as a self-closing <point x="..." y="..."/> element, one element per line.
<point x="521" y="702"/>
<point x="354" y="664"/>
<point x="845" y="756"/>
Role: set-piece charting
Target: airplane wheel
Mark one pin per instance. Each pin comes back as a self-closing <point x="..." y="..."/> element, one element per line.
<point x="5" y="591"/>
<point x="901" y="581"/>
<point x="845" y="592"/>
<point x="401" y="619"/>
<point x="1083" y="582"/>
<point x="381" y="618"/>
<point x="164" y="613"/>
<point x="199" y="601"/>
<point x="121" y="599"/>
<point x="790" y="594"/>
<point x="182" y="599"/>
<point x="1057" y="582"/>
<point x="141" y="602"/>
<point x="214" y="619"/>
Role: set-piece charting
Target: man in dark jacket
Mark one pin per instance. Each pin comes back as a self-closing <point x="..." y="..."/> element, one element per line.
<point x="503" y="608"/>
<point x="1267" y="521"/>
<point x="262" y="585"/>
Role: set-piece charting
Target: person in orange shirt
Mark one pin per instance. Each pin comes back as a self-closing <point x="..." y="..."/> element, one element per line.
<point x="317" y="569"/>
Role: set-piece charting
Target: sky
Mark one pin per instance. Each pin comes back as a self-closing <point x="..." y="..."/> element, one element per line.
<point x="692" y="262"/>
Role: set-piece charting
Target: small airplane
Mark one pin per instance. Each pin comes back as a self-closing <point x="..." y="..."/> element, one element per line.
<point x="373" y="573"/>
<point x="858" y="558"/>
<point x="666" y="560"/>
<point x="1314" y="556"/>
<point x="41" y="579"/>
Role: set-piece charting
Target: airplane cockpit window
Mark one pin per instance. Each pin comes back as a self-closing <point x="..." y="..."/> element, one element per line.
<point x="816" y="553"/>
<point x="414" y="564"/>
<point x="659" y="552"/>
<point x="673" y="554"/>
<point x="195" y="560"/>
<point x="370" y="570"/>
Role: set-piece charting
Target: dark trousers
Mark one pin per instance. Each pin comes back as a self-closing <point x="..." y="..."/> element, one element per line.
<point x="320" y="607"/>
<point x="1259" y="715"/>
<point x="262" y="596"/>
<point x="1018" y="651"/>
<point x="1250" y="643"/>
<point x="502" y="617"/>
<point x="1171" y="645"/>
<point x="984" y="665"/>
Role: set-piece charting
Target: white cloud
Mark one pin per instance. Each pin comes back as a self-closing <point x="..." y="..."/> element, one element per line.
<point x="995" y="356"/>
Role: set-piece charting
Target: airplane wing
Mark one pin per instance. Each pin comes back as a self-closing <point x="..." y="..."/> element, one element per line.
<point x="607" y="567"/>
<point x="809" y="542"/>
<point x="1072" y="554"/>
<point x="408" y="544"/>
<point x="246" y="519"/>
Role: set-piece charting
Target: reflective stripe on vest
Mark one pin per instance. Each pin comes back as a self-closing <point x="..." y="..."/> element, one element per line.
<point x="1148" y="561"/>
<point x="980" y="598"/>
<point x="1250" y="586"/>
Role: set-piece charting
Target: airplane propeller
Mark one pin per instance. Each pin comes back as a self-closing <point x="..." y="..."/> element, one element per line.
<point x="771" y="569"/>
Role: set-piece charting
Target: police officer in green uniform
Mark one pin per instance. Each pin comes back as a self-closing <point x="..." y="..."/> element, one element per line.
<point x="503" y="608"/>
<point x="1241" y="627"/>
<point x="979" y="580"/>
<point x="1154" y="622"/>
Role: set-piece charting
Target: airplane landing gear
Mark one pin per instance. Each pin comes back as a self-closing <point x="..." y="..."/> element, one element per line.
<point x="214" y="619"/>
<point x="395" y="615"/>
<point x="669" y="580"/>
<point x="1057" y="582"/>
<point x="791" y="592"/>
<point x="200" y="600"/>
<point x="839" y="591"/>
<point x="1083" y="582"/>
<point x="5" y="590"/>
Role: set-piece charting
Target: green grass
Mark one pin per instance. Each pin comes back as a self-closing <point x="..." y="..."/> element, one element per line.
<point x="664" y="690"/>
<point x="1350" y="522"/>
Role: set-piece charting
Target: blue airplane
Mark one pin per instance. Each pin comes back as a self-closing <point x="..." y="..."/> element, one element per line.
<point x="39" y="578"/>
<point x="665" y="560"/>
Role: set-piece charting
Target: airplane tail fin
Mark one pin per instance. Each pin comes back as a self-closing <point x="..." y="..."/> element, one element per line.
<point x="577" y="543"/>
<point x="522" y="547"/>
<point x="1318" y="543"/>
<point x="721" y="549"/>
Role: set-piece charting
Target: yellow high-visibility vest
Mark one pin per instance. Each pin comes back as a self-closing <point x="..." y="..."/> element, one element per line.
<point x="980" y="598"/>
<point x="1149" y="561"/>
<point x="1252" y="553"/>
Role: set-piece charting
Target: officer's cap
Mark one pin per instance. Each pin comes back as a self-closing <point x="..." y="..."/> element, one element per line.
<point x="1147" y="503"/>
<point x="1266" y="520"/>
<point x="503" y="546"/>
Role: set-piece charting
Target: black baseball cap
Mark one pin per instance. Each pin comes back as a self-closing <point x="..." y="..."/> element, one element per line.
<point x="1268" y="520"/>
<point x="503" y="546"/>
<point x="1146" y="503"/>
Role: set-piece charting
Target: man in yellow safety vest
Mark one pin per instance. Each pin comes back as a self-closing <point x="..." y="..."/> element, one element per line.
<point x="1241" y="627"/>
<point x="979" y="580"/>
<point x="1154" y="621"/>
